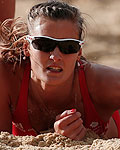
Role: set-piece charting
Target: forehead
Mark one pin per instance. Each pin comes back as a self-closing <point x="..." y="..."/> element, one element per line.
<point x="55" y="28"/>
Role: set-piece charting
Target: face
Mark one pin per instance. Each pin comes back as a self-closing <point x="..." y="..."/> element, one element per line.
<point x="54" y="67"/>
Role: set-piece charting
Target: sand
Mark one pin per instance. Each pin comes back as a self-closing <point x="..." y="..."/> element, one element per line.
<point x="54" y="141"/>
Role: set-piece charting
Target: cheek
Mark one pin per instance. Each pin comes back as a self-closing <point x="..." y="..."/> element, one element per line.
<point x="38" y="56"/>
<point x="71" y="62"/>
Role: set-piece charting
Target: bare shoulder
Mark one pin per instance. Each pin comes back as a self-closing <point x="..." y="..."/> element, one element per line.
<point x="106" y="79"/>
<point x="103" y="74"/>
<point x="10" y="79"/>
<point x="103" y="84"/>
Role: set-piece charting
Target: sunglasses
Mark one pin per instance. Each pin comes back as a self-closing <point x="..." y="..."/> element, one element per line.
<point x="48" y="44"/>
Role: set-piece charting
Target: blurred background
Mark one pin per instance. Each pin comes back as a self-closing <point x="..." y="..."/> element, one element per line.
<point x="102" y="42"/>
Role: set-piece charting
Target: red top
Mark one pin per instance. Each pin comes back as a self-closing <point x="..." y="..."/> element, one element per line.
<point x="21" y="124"/>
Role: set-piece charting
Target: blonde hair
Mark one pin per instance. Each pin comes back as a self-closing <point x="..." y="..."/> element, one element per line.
<point x="12" y="36"/>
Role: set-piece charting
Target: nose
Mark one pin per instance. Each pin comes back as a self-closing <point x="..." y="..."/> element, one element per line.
<point x="56" y="55"/>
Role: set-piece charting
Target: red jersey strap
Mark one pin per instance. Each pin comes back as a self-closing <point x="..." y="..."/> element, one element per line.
<point x="20" y="116"/>
<point x="84" y="90"/>
<point x="92" y="119"/>
<point x="88" y="105"/>
<point x="116" y="117"/>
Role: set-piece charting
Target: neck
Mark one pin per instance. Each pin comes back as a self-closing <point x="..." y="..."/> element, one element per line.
<point x="52" y="95"/>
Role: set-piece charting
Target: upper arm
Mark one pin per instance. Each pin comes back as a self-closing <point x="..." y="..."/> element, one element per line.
<point x="5" y="115"/>
<point x="104" y="88"/>
<point x="10" y="83"/>
<point x="110" y="89"/>
<point x="5" y="111"/>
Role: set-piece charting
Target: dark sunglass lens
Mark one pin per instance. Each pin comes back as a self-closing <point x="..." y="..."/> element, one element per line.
<point x="37" y="44"/>
<point x="69" y="47"/>
<point x="43" y="44"/>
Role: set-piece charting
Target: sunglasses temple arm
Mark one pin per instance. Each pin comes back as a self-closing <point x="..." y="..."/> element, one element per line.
<point x="81" y="43"/>
<point x="28" y="38"/>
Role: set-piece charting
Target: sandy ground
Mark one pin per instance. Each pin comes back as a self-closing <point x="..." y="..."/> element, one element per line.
<point x="54" y="141"/>
<point x="103" y="28"/>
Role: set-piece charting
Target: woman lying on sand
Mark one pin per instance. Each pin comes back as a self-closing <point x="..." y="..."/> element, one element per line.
<point x="45" y="81"/>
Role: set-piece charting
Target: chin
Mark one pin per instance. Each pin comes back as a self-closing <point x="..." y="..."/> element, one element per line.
<point x="52" y="81"/>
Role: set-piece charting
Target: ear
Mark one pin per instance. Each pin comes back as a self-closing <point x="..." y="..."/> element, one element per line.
<point x="79" y="54"/>
<point x="26" y="49"/>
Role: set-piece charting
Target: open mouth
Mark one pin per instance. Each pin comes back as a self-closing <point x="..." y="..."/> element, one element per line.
<point x="54" y="69"/>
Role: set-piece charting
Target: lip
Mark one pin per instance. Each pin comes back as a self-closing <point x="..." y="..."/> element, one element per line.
<point x="54" y="68"/>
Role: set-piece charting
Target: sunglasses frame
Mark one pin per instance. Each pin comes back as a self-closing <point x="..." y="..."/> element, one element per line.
<point x="30" y="38"/>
